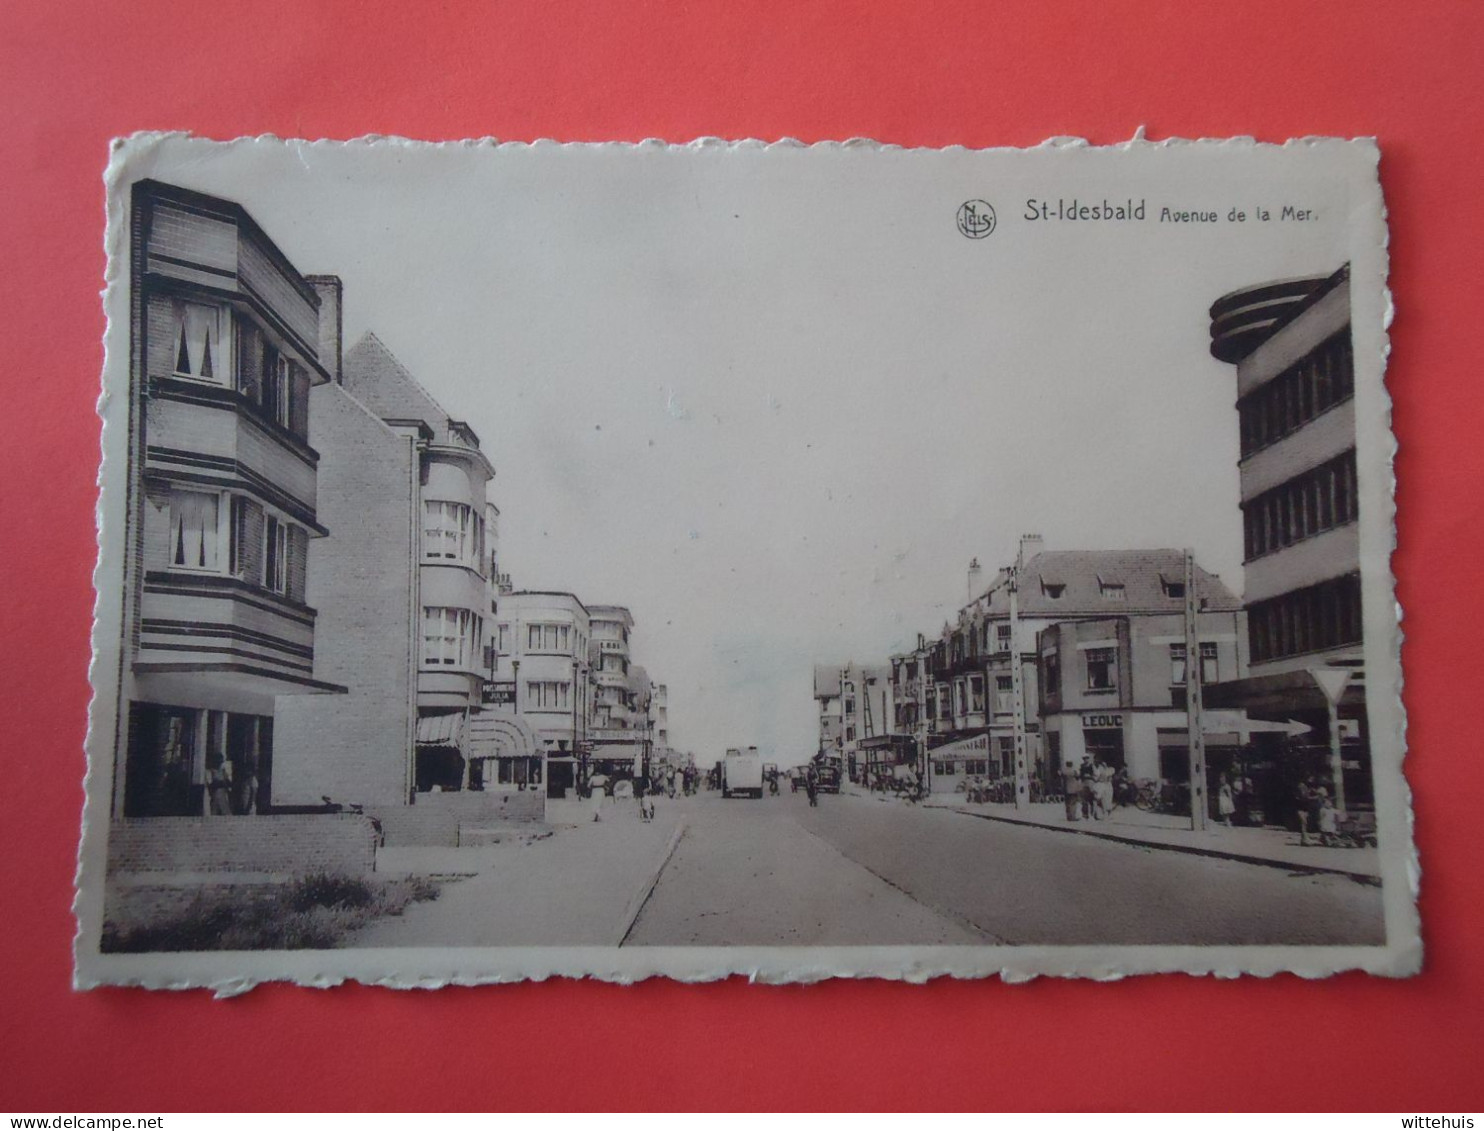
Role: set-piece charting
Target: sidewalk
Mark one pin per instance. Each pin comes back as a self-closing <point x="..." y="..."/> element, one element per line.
<point x="1276" y="848"/>
<point x="583" y="885"/>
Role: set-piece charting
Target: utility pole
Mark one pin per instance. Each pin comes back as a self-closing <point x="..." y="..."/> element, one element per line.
<point x="1194" y="704"/>
<point x="1017" y="689"/>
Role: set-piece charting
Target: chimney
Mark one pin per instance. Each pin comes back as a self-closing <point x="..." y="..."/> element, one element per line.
<point x="975" y="573"/>
<point x="329" y="289"/>
<point x="1030" y="546"/>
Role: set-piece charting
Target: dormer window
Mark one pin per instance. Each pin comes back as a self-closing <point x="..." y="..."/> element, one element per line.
<point x="1174" y="587"/>
<point x="1052" y="590"/>
<point x="1112" y="590"/>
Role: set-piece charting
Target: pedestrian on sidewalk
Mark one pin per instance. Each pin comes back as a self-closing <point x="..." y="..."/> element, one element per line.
<point x="1226" y="804"/>
<point x="1328" y="820"/>
<point x="1306" y="798"/>
<point x="1086" y="787"/>
<point x="1103" y="786"/>
<point x="1071" y="786"/>
<point x="811" y="787"/>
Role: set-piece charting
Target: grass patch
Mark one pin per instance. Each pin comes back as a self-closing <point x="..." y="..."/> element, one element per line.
<point x="313" y="912"/>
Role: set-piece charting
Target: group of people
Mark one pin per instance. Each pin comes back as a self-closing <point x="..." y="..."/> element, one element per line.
<point x="1093" y="789"/>
<point x="1318" y="818"/>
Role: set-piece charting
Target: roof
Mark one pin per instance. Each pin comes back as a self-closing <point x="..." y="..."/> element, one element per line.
<point x="1243" y="319"/>
<point x="545" y="593"/>
<point x="611" y="612"/>
<point x="1089" y="578"/>
<point x="387" y="387"/>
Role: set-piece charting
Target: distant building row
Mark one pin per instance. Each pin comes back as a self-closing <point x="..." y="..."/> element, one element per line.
<point x="1101" y="642"/>
<point x="312" y="609"/>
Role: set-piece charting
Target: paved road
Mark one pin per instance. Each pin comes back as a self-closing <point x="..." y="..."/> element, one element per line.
<point x="857" y="870"/>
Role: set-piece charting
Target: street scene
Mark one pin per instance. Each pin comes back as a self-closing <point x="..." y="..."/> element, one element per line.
<point x="510" y="614"/>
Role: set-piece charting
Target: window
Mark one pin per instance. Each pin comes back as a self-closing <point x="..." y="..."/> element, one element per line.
<point x="275" y="555"/>
<point x="552" y="638"/>
<point x="1004" y="695"/>
<point x="1002" y="638"/>
<point x="1051" y="674"/>
<point x="976" y="693"/>
<point x="850" y="734"/>
<point x="450" y="637"/>
<point x="197" y="534"/>
<point x="1053" y="589"/>
<point x="278" y="381"/>
<point x="945" y="702"/>
<point x="850" y="706"/>
<point x="548" y="695"/>
<point x="1307" y="504"/>
<point x="1323" y="616"/>
<point x="1173" y="587"/>
<point x="202" y="342"/>
<point x="1177" y="665"/>
<point x="1112" y="590"/>
<point x="1315" y="383"/>
<point x="1102" y="669"/>
<point x="453" y="532"/>
<point x="1210" y="668"/>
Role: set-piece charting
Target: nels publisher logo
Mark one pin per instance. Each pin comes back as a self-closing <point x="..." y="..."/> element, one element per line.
<point x="976" y="219"/>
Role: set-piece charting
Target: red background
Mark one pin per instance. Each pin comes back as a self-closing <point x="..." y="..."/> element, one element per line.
<point x="913" y="73"/>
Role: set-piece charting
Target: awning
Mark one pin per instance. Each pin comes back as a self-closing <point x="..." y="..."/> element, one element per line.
<point x="441" y="730"/>
<point x="976" y="746"/>
<point x="497" y="734"/>
<point x="1279" y="697"/>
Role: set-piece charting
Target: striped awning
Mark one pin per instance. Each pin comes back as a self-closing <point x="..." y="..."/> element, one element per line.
<point x="441" y="730"/>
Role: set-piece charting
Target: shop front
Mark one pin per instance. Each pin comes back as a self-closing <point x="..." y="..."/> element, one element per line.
<point x="440" y="764"/>
<point x="197" y="762"/>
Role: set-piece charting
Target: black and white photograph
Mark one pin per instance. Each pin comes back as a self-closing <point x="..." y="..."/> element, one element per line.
<point x="796" y="561"/>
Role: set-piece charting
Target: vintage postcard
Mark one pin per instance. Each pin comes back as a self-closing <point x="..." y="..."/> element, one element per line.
<point x="727" y="558"/>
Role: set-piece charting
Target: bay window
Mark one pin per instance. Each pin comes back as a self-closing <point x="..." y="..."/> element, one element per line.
<point x="450" y="637"/>
<point x="202" y="342"/>
<point x="198" y="536"/>
<point x="548" y="695"/>
<point x="453" y="532"/>
<point x="549" y="638"/>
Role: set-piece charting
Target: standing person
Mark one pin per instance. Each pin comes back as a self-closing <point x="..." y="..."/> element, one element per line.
<point x="1226" y="804"/>
<point x="1104" y="790"/>
<point x="1122" y="794"/>
<point x="1301" y="798"/>
<point x="1086" y="778"/>
<point x="1072" y="790"/>
<point x="1327" y="819"/>
<point x="811" y="787"/>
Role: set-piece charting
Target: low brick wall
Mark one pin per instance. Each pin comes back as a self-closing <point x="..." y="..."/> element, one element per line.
<point x="436" y="818"/>
<point x="285" y="843"/>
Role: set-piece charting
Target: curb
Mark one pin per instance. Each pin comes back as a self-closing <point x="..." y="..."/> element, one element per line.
<point x="1189" y="849"/>
<point x="641" y="897"/>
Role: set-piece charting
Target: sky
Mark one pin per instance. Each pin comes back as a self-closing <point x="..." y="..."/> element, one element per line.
<point x="772" y="400"/>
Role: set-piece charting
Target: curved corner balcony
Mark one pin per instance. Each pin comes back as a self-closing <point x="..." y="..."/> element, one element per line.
<point x="1242" y="320"/>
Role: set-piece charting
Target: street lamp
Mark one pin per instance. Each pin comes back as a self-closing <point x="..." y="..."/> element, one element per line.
<point x="581" y="756"/>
